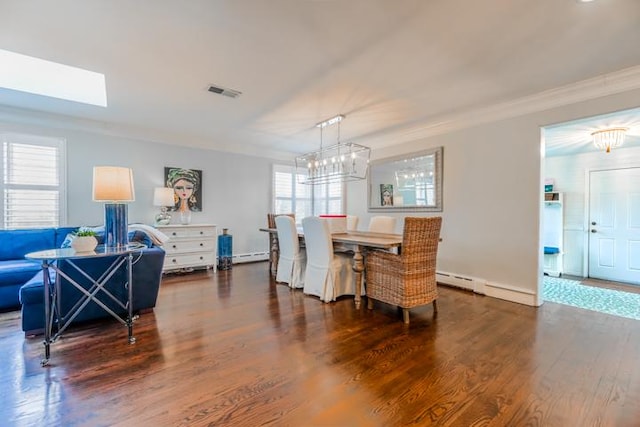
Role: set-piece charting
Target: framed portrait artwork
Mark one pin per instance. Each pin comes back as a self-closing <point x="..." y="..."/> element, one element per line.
<point x="187" y="188"/>
<point x="386" y="194"/>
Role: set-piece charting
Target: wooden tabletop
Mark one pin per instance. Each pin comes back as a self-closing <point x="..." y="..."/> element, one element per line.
<point x="362" y="238"/>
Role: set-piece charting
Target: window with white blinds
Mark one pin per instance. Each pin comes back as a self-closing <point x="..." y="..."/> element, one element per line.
<point x="31" y="186"/>
<point x="302" y="199"/>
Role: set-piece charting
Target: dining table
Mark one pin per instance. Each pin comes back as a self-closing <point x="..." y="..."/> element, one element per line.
<point x="359" y="242"/>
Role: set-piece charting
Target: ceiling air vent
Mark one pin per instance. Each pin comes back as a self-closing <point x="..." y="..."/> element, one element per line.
<point x="231" y="93"/>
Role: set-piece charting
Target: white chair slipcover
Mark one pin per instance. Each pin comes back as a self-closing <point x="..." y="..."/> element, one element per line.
<point x="352" y="222"/>
<point x="292" y="261"/>
<point x="328" y="275"/>
<point x="382" y="224"/>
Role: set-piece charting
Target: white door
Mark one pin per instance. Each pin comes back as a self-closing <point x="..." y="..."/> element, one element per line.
<point x="614" y="225"/>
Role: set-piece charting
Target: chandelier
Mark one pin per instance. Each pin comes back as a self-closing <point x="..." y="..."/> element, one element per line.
<point x="341" y="162"/>
<point x="606" y="139"/>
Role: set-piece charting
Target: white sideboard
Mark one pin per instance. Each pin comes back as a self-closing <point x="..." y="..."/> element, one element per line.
<point x="189" y="247"/>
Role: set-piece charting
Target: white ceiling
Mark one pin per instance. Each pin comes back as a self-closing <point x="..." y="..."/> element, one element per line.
<point x="389" y="66"/>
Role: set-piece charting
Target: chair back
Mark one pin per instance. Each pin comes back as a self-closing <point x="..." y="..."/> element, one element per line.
<point x="382" y="224"/>
<point x="318" y="242"/>
<point x="352" y="222"/>
<point x="420" y="238"/>
<point x="287" y="236"/>
<point x="271" y="219"/>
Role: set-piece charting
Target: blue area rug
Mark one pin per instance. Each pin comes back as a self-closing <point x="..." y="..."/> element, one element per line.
<point x="571" y="292"/>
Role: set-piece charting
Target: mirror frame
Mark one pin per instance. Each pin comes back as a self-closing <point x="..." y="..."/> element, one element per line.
<point x="438" y="161"/>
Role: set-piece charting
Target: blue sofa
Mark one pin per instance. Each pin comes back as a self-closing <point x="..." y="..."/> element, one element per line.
<point x="24" y="277"/>
<point x="15" y="270"/>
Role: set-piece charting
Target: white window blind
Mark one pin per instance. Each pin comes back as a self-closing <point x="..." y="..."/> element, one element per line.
<point x="304" y="200"/>
<point x="31" y="184"/>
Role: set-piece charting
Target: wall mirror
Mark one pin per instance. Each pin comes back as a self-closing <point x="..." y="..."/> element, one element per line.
<point x="411" y="182"/>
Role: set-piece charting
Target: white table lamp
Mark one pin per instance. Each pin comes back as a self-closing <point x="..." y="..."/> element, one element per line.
<point x="163" y="197"/>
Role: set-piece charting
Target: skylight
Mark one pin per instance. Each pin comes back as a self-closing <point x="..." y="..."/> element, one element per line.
<point x="40" y="77"/>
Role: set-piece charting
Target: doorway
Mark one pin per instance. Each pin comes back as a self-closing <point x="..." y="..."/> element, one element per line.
<point x="601" y="218"/>
<point x="614" y="225"/>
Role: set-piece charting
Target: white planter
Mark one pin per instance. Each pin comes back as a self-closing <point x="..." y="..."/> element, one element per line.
<point x="84" y="243"/>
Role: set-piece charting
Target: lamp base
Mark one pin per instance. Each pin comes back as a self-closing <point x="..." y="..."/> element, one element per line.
<point x="115" y="225"/>
<point x="163" y="218"/>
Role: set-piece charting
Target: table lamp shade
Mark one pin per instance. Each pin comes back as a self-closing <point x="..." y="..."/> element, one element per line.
<point x="113" y="184"/>
<point x="163" y="196"/>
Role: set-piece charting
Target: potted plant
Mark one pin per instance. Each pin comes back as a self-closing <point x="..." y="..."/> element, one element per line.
<point x="84" y="240"/>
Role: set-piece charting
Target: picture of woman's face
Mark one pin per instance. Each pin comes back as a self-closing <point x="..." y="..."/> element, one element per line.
<point x="183" y="189"/>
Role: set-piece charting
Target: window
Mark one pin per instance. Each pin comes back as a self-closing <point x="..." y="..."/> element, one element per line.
<point x="302" y="199"/>
<point x="41" y="77"/>
<point x="32" y="189"/>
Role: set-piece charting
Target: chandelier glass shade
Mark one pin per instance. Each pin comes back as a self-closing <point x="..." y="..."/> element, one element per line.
<point x="341" y="162"/>
<point x="606" y="139"/>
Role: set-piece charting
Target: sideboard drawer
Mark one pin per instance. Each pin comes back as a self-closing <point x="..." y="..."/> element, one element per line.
<point x="173" y="262"/>
<point x="182" y="246"/>
<point x="190" y="233"/>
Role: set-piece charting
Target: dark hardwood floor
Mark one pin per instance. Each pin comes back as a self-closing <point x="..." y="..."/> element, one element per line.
<point x="234" y="348"/>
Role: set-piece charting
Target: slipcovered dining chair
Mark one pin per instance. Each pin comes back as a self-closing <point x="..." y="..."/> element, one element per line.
<point x="409" y="279"/>
<point x="328" y="275"/>
<point x="273" y="242"/>
<point x="382" y="224"/>
<point x="352" y="222"/>
<point x="292" y="259"/>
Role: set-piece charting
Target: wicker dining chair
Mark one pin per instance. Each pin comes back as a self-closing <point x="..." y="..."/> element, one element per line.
<point x="409" y="279"/>
<point x="274" y="247"/>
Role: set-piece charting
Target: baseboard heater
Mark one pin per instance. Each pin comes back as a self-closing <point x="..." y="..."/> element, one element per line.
<point x="249" y="257"/>
<point x="458" y="281"/>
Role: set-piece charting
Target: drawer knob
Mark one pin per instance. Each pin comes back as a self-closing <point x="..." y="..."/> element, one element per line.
<point x="174" y="246"/>
<point x="202" y="232"/>
<point x="173" y="260"/>
<point x="201" y="244"/>
<point x="174" y="233"/>
<point x="201" y="258"/>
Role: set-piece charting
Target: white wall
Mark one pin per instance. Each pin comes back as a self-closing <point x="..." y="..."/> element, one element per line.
<point x="492" y="197"/>
<point x="236" y="188"/>
<point x="569" y="173"/>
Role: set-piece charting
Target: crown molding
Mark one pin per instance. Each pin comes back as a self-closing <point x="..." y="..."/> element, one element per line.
<point x="584" y="90"/>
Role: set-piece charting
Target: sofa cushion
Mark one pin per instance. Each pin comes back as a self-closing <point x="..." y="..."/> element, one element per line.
<point x="15" y="244"/>
<point x="32" y="292"/>
<point x="18" y="271"/>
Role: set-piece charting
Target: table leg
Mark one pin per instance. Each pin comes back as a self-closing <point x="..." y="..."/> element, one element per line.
<point x="274" y="256"/>
<point x="132" y="339"/>
<point x="47" y="314"/>
<point x="358" y="268"/>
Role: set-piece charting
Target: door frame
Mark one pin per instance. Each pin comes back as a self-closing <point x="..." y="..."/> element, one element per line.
<point x="587" y="205"/>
